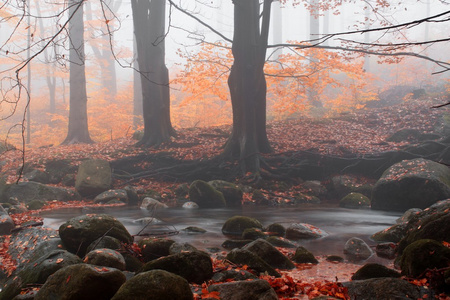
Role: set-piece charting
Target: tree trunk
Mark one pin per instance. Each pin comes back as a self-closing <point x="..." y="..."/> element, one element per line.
<point x="248" y="85"/>
<point x="78" y="123"/>
<point x="149" y="28"/>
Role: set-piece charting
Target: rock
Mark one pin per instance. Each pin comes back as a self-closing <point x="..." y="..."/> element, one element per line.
<point x="146" y="221"/>
<point x="37" y="272"/>
<point x="36" y="204"/>
<point x="269" y="254"/>
<point x="373" y="270"/>
<point x="342" y="185"/>
<point x="182" y="190"/>
<point x="37" y="176"/>
<point x="181" y="247"/>
<point x="386" y="250"/>
<point x="108" y="242"/>
<point x="133" y="264"/>
<point x="231" y="192"/>
<point x="232" y="274"/>
<point x="299" y="231"/>
<point x="133" y="198"/>
<point x="410" y="184"/>
<point x="355" y="200"/>
<point x="82" y="281"/>
<point x="280" y="242"/>
<point x="106" y="258"/>
<point x="205" y="195"/>
<point x="357" y="249"/>
<point x="382" y="289"/>
<point x="195" y="266"/>
<point x="59" y="169"/>
<point x="253" y="234"/>
<point x="253" y="261"/>
<point x="259" y="198"/>
<point x="424" y="254"/>
<point x="315" y="188"/>
<point x="300" y="198"/>
<point x="79" y="232"/>
<point x="190" y="205"/>
<point x="245" y="290"/>
<point x="405" y="134"/>
<point x="236" y="225"/>
<point x="29" y="191"/>
<point x="335" y="259"/>
<point x="303" y="256"/>
<point x="276" y="230"/>
<point x="105" y="197"/>
<point x="157" y="284"/>
<point x="194" y="230"/>
<point x="391" y="234"/>
<point x="151" y="204"/>
<point x="153" y="248"/>
<point x="231" y="244"/>
<point x="408" y="215"/>
<point x="6" y="223"/>
<point x="93" y="177"/>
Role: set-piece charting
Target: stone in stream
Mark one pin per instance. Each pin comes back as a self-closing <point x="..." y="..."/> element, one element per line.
<point x="93" y="177"/>
<point x="299" y="231"/>
<point x="356" y="249"/>
<point x="236" y="225"/>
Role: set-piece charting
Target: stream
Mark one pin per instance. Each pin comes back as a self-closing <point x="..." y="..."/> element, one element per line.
<point x="340" y="223"/>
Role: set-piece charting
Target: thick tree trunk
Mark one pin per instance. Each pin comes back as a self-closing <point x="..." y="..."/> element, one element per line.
<point x="149" y="27"/>
<point x="248" y="85"/>
<point x="78" y="122"/>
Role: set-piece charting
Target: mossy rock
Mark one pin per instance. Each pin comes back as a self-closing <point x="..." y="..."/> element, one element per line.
<point x="253" y="261"/>
<point x="335" y="258"/>
<point x="253" y="234"/>
<point x="231" y="244"/>
<point x="194" y="266"/>
<point x="249" y="290"/>
<point x="269" y="254"/>
<point x="236" y="225"/>
<point x="154" y="248"/>
<point x="79" y="232"/>
<point x="355" y="200"/>
<point x="36" y="204"/>
<point x="392" y="234"/>
<point x="231" y="192"/>
<point x="93" y="177"/>
<point x="276" y="229"/>
<point x="281" y="242"/>
<point x="422" y="255"/>
<point x="382" y="288"/>
<point x="373" y="270"/>
<point x="106" y="258"/>
<point x="303" y="256"/>
<point x="155" y="285"/>
<point x="108" y="242"/>
<point x="205" y="195"/>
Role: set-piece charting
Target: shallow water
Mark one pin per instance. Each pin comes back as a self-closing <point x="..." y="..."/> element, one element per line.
<point x="340" y="224"/>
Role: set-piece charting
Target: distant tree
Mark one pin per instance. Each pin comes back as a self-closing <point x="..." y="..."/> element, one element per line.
<point x="149" y="28"/>
<point x="78" y="121"/>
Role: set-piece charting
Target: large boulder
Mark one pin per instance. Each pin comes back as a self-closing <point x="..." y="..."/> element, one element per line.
<point x="303" y="256"/>
<point x="416" y="183"/>
<point x="355" y="200"/>
<point x="79" y="232"/>
<point x="231" y="192"/>
<point x="105" y="258"/>
<point x="269" y="254"/>
<point x="155" y="285"/>
<point x="93" y="177"/>
<point x="82" y="281"/>
<point x="236" y="225"/>
<point x="112" y="195"/>
<point x="356" y="249"/>
<point x="154" y="248"/>
<point x="205" y="195"/>
<point x="253" y="261"/>
<point x="245" y="290"/>
<point x="194" y="266"/>
<point x="29" y="191"/>
<point x="373" y="270"/>
<point x="382" y="289"/>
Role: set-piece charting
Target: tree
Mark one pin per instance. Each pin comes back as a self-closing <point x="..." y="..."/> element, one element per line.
<point x="78" y="122"/>
<point x="149" y="28"/>
<point x="247" y="85"/>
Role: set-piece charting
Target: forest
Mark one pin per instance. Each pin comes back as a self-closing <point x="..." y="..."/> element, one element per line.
<point x="304" y="147"/>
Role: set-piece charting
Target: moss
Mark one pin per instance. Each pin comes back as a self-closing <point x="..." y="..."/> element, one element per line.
<point x="355" y="200"/>
<point x="205" y="195"/>
<point x="237" y="224"/>
<point x="36" y="204"/>
<point x="303" y="256"/>
<point x="373" y="270"/>
<point x="253" y="234"/>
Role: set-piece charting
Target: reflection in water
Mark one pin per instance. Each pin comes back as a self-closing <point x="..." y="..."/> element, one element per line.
<point x="341" y="224"/>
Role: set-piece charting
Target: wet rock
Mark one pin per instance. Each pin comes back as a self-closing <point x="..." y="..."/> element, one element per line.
<point x="153" y="248"/>
<point x="281" y="242"/>
<point x="335" y="258"/>
<point x="190" y="205"/>
<point x="416" y="183"/>
<point x="386" y="250"/>
<point x="194" y="230"/>
<point x="79" y="232"/>
<point x="110" y="195"/>
<point x="424" y="254"/>
<point x="373" y="270"/>
<point x="269" y="254"/>
<point x="408" y="215"/>
<point x="237" y="224"/>
<point x="108" y="242"/>
<point x="231" y="244"/>
<point x="303" y="256"/>
<point x="245" y="290"/>
<point x="276" y="229"/>
<point x="382" y="289"/>
<point x="253" y="234"/>
<point x="253" y="261"/>
<point x="391" y="234"/>
<point x="133" y="264"/>
<point x="355" y="200"/>
<point x="146" y="221"/>
<point x="231" y="192"/>
<point x="299" y="231"/>
<point x="232" y="274"/>
<point x="161" y="285"/>
<point x="181" y="247"/>
<point x="106" y="258"/>
<point x="29" y="191"/>
<point x="205" y="195"/>
<point x="93" y="177"/>
<point x="195" y="266"/>
<point x="357" y="249"/>
<point x="82" y="281"/>
<point x="151" y="204"/>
